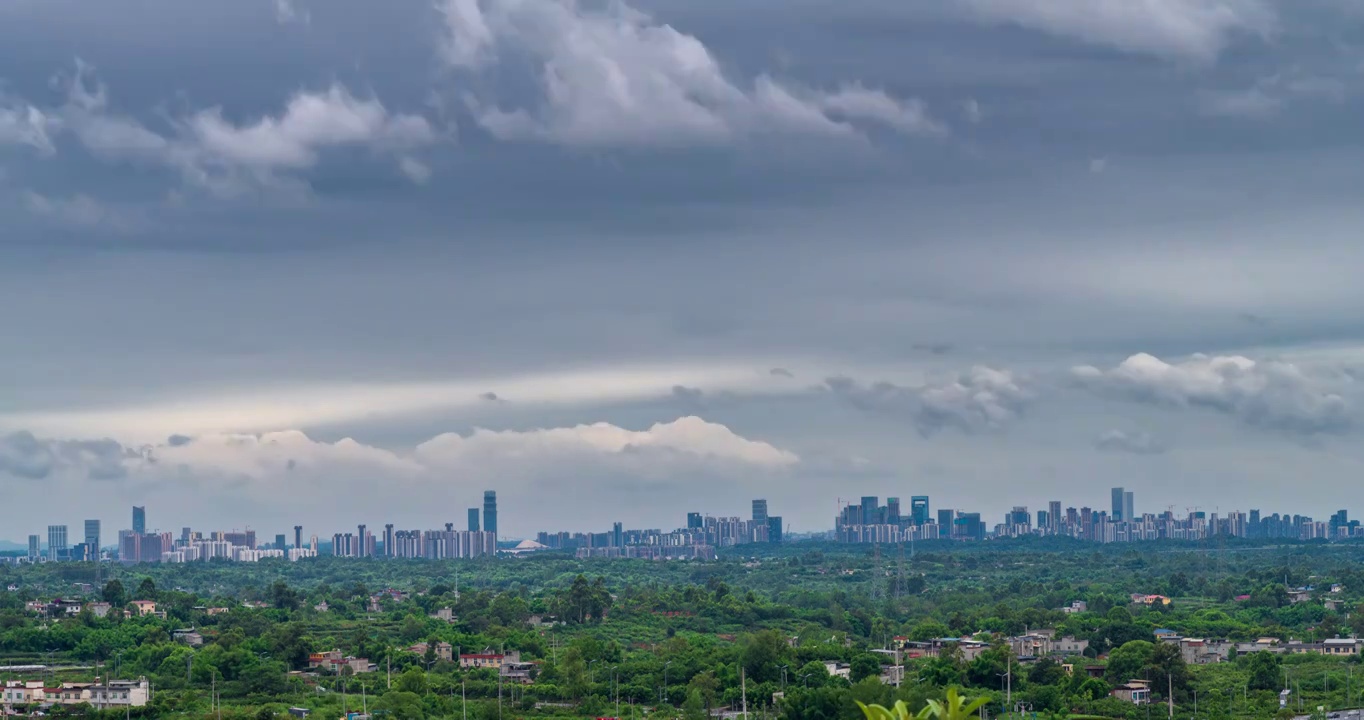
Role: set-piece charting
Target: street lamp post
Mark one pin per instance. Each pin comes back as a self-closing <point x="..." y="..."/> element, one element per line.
<point x="663" y="691"/>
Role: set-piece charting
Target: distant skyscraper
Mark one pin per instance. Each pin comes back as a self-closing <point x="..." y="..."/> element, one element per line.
<point x="694" y="521"/>
<point x="1128" y="514"/>
<point x="92" y="535"/>
<point x="139" y="520"/>
<point x="760" y="512"/>
<point x="390" y="544"/>
<point x="56" y="541"/>
<point x="473" y="519"/>
<point x="870" y="510"/>
<point x="280" y="542"/>
<point x="298" y="536"/>
<point x="490" y="511"/>
<point x="892" y="511"/>
<point x="618" y="535"/>
<point x="1054" y="516"/>
<point x="1117" y="505"/>
<point x="946" y="522"/>
<point x="774" y="530"/>
<point x="918" y="509"/>
<point x="33" y="541"/>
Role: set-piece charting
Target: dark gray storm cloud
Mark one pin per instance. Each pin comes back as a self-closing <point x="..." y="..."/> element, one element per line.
<point x="355" y="219"/>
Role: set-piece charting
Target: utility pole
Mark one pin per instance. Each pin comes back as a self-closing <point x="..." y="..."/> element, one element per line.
<point x="463" y="683"/>
<point x="743" y="691"/>
<point x="1170" y="694"/>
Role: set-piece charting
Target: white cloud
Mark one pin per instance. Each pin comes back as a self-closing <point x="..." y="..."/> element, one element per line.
<point x="979" y="400"/>
<point x="614" y="77"/>
<point x="224" y="156"/>
<point x="22" y="455"/>
<point x="688" y="435"/>
<point x="23" y="124"/>
<point x="534" y="471"/>
<point x="415" y="170"/>
<point x="1269" y="94"/>
<point x="1136" y="443"/>
<point x="1196" y="30"/>
<point x="1270" y="394"/>
<point x="1253" y="102"/>
<point x="310" y="122"/>
<point x="254" y="410"/>
<point x="77" y="210"/>
<point x="287" y="12"/>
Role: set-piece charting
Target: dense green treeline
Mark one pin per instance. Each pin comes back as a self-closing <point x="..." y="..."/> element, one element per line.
<point x="679" y="638"/>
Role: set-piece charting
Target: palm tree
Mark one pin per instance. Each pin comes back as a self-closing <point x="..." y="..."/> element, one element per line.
<point x="900" y="711"/>
<point x="954" y="707"/>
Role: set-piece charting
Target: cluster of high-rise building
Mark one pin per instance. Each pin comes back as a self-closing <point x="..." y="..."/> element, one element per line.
<point x="870" y="522"/>
<point x="699" y="539"/>
<point x="478" y="540"/>
<point x="137" y="545"/>
<point x="865" y="521"/>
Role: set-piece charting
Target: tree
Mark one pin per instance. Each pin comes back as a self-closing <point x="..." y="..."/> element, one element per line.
<point x="283" y="597"/>
<point x="763" y="654"/>
<point x="573" y="672"/>
<point x="400" y="705"/>
<point x="146" y="590"/>
<point x="412" y="628"/>
<point x="864" y="665"/>
<point x="707" y="684"/>
<point x="694" y="708"/>
<point x="1263" y="670"/>
<point x="114" y="594"/>
<point x="1046" y="672"/>
<point x="1127" y="661"/>
<point x="413" y="680"/>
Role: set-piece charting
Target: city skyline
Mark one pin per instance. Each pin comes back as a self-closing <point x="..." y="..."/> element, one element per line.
<point x="340" y="275"/>
<point x="864" y="519"/>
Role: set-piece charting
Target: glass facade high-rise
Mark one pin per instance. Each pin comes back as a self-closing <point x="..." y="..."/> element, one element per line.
<point x="695" y="521"/>
<point x="946" y="522"/>
<point x="760" y="511"/>
<point x="33" y="550"/>
<point x="1117" y="506"/>
<point x="892" y="511"/>
<point x="473" y="519"/>
<point x="1128" y="513"/>
<point x="56" y="542"/>
<point x="490" y="511"/>
<point x="774" y="531"/>
<point x="1054" y="516"/>
<point x="870" y="510"/>
<point x="92" y="534"/>
<point x="918" y="509"/>
<point x="139" y="520"/>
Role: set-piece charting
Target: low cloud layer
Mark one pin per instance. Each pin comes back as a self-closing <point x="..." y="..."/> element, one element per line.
<point x="208" y="149"/>
<point x="979" y="400"/>
<point x="1268" y="394"/>
<point x="613" y="77"/>
<point x="1135" y="442"/>
<point x="683" y="455"/>
<point x="1188" y="30"/>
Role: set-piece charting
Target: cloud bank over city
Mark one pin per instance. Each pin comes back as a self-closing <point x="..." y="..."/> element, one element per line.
<point x="331" y="263"/>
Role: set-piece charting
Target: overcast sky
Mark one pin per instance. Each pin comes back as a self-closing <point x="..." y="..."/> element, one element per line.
<point x="268" y="262"/>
